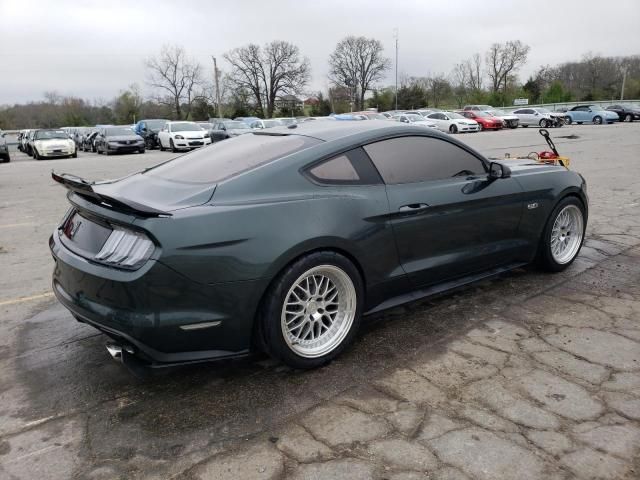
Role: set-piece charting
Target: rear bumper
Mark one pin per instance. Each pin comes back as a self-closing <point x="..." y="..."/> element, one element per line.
<point x="165" y="317"/>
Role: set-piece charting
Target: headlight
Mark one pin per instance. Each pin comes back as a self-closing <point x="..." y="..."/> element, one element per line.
<point x="179" y="137"/>
<point x="206" y="135"/>
<point x="125" y="248"/>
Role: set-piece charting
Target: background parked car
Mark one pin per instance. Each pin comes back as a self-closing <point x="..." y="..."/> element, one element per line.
<point x="509" y="120"/>
<point x="591" y="114"/>
<point x="88" y="142"/>
<point x="227" y="129"/>
<point x="52" y="143"/>
<point x="452" y="122"/>
<point x="539" y="117"/>
<point x="247" y="120"/>
<point x="414" y="119"/>
<point x="148" y="129"/>
<point x="4" y="149"/>
<point x="269" y="123"/>
<point x="112" y="140"/>
<point x="182" y="136"/>
<point x="625" y="114"/>
<point x="485" y="120"/>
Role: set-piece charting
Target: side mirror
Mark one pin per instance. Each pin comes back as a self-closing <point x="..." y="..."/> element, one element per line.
<point x="537" y="114"/>
<point x="223" y="127"/>
<point x="498" y="170"/>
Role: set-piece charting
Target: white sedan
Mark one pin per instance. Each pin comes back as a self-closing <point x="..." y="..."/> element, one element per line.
<point x="453" y="122"/>
<point x="182" y="136"/>
<point x="414" y="119"/>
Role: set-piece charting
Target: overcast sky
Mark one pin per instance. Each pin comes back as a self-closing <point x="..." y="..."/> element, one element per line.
<point x="93" y="49"/>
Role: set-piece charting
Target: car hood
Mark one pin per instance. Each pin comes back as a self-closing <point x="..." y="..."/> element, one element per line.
<point x="165" y="195"/>
<point x="190" y="133"/>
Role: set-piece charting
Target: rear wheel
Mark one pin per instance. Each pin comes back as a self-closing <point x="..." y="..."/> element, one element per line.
<point x="597" y="120"/>
<point x="563" y="235"/>
<point x="453" y="129"/>
<point x="312" y="311"/>
<point x="628" y="117"/>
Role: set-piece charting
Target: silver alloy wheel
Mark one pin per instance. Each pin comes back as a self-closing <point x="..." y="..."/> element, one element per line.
<point x="318" y="311"/>
<point x="566" y="234"/>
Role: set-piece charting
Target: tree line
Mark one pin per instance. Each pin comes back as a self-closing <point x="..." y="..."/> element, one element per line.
<point x="258" y="76"/>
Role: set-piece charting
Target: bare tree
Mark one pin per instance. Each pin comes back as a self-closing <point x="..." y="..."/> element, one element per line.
<point x="176" y="76"/>
<point x="504" y="60"/>
<point x="268" y="72"/>
<point x="358" y="63"/>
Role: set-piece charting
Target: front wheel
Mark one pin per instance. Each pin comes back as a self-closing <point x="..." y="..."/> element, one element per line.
<point x="312" y="311"/>
<point x="480" y="127"/>
<point x="563" y="235"/>
<point x="453" y="129"/>
<point x="597" y="120"/>
<point x="567" y="121"/>
<point x="544" y="123"/>
<point x="172" y="146"/>
<point x="628" y="117"/>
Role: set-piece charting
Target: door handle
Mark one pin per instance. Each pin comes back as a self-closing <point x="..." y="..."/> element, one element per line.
<point x="413" y="207"/>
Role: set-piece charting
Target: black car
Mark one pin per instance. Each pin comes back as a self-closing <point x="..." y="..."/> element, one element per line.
<point x="5" y="156"/>
<point x="148" y="129"/>
<point x="284" y="239"/>
<point x="626" y="114"/>
<point x="112" y="140"/>
<point x="227" y="129"/>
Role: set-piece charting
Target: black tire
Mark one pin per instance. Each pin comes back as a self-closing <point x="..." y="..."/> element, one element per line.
<point x="142" y="150"/>
<point x="568" y="121"/>
<point x="628" y="118"/>
<point x="543" y="123"/>
<point x="74" y="154"/>
<point x="162" y="149"/>
<point x="172" y="146"/>
<point x="35" y="155"/>
<point x="597" y="120"/>
<point x="480" y="127"/>
<point x="269" y="326"/>
<point x="545" y="258"/>
<point x="525" y="126"/>
<point x="453" y="129"/>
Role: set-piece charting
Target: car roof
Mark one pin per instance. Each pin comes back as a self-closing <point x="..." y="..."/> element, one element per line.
<point x="329" y="131"/>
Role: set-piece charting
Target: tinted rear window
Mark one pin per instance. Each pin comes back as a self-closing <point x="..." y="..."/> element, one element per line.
<point x="230" y="157"/>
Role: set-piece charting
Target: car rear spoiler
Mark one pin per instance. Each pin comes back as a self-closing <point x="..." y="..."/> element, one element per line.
<point x="85" y="189"/>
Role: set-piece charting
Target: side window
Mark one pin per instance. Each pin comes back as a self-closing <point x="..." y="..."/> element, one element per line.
<point x="421" y="159"/>
<point x="338" y="169"/>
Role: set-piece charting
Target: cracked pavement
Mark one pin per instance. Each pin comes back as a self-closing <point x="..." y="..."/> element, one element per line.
<point x="528" y="375"/>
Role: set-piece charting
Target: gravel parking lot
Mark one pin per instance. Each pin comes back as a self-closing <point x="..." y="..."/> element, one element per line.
<point x="528" y="376"/>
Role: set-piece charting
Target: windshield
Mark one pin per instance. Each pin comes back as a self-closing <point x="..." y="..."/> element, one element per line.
<point x="543" y="110"/>
<point x="206" y="126"/>
<point x="235" y="125"/>
<point x="155" y="124"/>
<point x="272" y="123"/>
<point x="414" y="117"/>
<point x="226" y="159"/>
<point x="185" y="127"/>
<point x="453" y="115"/>
<point x="481" y="114"/>
<point x="48" y="134"/>
<point x="113" y="132"/>
<point x="596" y="107"/>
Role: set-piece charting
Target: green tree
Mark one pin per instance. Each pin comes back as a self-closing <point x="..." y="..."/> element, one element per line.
<point x="126" y="106"/>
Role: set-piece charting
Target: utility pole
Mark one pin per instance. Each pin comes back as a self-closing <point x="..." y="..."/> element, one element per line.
<point x="395" y="35"/>
<point x="217" y="78"/>
<point x="624" y="77"/>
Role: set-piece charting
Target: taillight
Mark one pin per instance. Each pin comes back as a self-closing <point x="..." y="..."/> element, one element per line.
<point x="125" y="248"/>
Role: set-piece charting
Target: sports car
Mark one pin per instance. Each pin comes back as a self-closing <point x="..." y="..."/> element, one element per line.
<point x="286" y="239"/>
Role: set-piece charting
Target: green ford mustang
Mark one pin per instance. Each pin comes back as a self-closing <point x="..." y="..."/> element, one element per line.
<point x="283" y="240"/>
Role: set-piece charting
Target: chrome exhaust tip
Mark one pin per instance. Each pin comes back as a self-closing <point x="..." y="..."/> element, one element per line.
<point x="115" y="351"/>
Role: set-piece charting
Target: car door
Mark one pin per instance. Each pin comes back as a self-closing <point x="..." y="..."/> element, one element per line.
<point x="163" y="135"/>
<point x="439" y="120"/>
<point x="449" y="218"/>
<point x="580" y="114"/>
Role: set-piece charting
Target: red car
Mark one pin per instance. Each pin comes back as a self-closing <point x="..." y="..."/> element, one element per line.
<point x="485" y="120"/>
